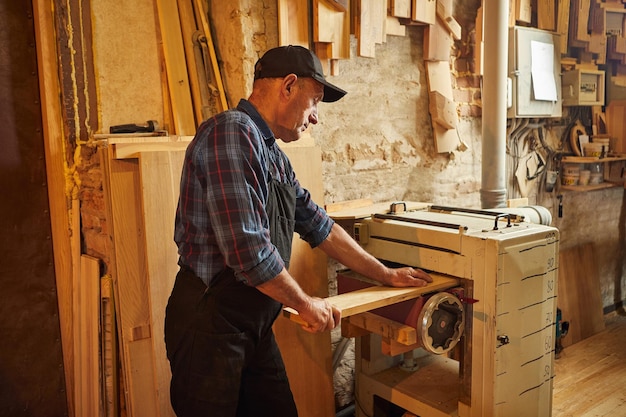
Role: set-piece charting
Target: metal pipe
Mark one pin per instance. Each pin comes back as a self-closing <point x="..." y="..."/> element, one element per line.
<point x="493" y="188"/>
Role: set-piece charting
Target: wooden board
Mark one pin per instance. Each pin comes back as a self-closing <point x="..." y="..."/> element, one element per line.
<point x="160" y="181"/>
<point x="308" y="357"/>
<point x="371" y="26"/>
<point x="332" y="27"/>
<point x="579" y="294"/>
<point x="437" y="42"/>
<point x="439" y="80"/>
<point x="546" y="14"/>
<point x="424" y="11"/>
<point x="293" y="22"/>
<point x="616" y="125"/>
<point x="129" y="271"/>
<point x="86" y="339"/>
<point x="370" y="298"/>
<point x="562" y="23"/>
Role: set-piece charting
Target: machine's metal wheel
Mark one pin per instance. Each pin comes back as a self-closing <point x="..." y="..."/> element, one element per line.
<point x="440" y="323"/>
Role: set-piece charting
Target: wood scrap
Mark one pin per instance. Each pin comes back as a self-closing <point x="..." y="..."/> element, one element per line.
<point x="546" y="14"/>
<point x="401" y="8"/>
<point x="393" y="27"/>
<point x="523" y="11"/>
<point x="424" y="11"/>
<point x="562" y="23"/>
<point x="442" y="110"/>
<point x="437" y="42"/>
<point x="371" y="24"/>
<point x="449" y="22"/>
<point x="479" y="46"/>
<point x="578" y="31"/>
<point x="331" y="35"/>
<point x="293" y="22"/>
<point x="439" y="80"/>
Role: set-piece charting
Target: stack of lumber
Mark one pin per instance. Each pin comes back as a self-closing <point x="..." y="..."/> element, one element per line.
<point x="194" y="89"/>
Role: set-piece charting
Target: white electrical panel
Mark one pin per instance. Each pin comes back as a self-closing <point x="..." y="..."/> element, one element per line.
<point x="535" y="73"/>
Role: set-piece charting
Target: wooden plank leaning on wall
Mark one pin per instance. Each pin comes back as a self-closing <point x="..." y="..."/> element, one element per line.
<point x="144" y="262"/>
<point x="55" y="155"/>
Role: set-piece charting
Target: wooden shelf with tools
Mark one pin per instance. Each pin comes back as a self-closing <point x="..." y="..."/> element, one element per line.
<point x="614" y="171"/>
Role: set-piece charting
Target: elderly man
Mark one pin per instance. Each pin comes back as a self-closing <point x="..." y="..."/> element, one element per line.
<point x="239" y="205"/>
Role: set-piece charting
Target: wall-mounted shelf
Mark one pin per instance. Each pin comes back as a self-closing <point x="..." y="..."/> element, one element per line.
<point x="612" y="177"/>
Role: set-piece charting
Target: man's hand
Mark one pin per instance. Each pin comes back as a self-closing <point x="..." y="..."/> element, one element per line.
<point x="406" y="277"/>
<point x="319" y="315"/>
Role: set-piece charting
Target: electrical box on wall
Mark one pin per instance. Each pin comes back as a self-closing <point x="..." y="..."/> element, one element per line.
<point x="583" y="88"/>
<point x="535" y="72"/>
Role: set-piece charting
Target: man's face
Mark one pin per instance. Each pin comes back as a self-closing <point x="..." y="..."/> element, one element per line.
<point x="301" y="110"/>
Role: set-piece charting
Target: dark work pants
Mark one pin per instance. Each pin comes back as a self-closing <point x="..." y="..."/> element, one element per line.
<point x="224" y="359"/>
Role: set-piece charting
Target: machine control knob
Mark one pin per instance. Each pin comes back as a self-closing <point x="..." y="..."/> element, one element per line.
<point x="504" y="340"/>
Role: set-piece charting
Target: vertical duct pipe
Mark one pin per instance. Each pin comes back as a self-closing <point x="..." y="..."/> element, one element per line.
<point x="496" y="35"/>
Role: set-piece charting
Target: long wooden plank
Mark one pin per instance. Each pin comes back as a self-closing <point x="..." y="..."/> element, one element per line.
<point x="129" y="272"/>
<point x="177" y="77"/>
<point x="108" y="343"/>
<point x="370" y="298"/>
<point x="160" y="179"/>
<point x="86" y="340"/>
<point x="54" y="140"/>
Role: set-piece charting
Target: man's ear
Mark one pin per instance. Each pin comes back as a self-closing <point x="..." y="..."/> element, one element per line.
<point x="288" y="83"/>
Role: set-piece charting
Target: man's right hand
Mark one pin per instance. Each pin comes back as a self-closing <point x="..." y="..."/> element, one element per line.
<point x="320" y="315"/>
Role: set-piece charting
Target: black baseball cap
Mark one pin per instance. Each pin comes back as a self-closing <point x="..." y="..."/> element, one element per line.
<point x="284" y="60"/>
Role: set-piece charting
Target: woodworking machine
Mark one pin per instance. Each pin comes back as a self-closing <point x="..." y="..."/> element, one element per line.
<point x="481" y="346"/>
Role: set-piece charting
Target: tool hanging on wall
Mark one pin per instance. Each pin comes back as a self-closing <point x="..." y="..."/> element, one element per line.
<point x="150" y="127"/>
